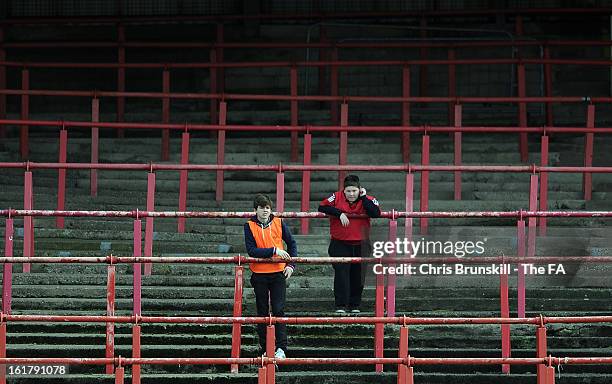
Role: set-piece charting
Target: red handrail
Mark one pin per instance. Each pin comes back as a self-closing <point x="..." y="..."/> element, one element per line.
<point x="280" y="97"/>
<point x="520" y="214"/>
<point x="303" y="16"/>
<point x="152" y="167"/>
<point x="397" y="320"/>
<point x="289" y="64"/>
<point x="314" y="45"/>
<point x="304" y="128"/>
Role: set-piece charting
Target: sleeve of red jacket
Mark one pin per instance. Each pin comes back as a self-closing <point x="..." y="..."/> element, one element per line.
<point x="371" y="206"/>
<point x="328" y="206"/>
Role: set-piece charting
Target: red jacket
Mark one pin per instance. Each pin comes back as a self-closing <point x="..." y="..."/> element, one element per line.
<point x="358" y="229"/>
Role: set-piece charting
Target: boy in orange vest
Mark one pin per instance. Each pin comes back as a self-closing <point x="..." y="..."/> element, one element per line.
<point x="263" y="236"/>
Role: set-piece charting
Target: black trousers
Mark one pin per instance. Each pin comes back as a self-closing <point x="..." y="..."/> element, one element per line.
<point x="348" y="278"/>
<point x="274" y="287"/>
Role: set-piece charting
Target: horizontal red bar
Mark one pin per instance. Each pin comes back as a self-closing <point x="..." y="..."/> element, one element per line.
<point x="304" y="128"/>
<point x="384" y="215"/>
<point x="399" y="320"/>
<point x="307" y="260"/>
<point x="314" y="45"/>
<point x="150" y="167"/>
<point x="289" y="64"/>
<point x="121" y="361"/>
<point x="308" y="16"/>
<point x="277" y="97"/>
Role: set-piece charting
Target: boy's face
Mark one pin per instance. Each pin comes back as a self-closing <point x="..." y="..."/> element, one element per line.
<point x="351" y="193"/>
<point x="263" y="213"/>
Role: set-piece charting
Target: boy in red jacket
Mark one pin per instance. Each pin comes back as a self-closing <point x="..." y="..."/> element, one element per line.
<point x="349" y="238"/>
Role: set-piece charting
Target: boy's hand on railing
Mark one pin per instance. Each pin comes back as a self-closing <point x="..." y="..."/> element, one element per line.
<point x="288" y="272"/>
<point x="281" y="253"/>
<point x="344" y="220"/>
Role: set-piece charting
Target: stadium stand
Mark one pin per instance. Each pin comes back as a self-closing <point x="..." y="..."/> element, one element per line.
<point x="194" y="110"/>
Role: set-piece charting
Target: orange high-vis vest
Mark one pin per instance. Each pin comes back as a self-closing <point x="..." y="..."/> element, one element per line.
<point x="268" y="237"/>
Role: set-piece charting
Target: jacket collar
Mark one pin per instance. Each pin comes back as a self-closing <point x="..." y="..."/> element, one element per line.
<point x="259" y="223"/>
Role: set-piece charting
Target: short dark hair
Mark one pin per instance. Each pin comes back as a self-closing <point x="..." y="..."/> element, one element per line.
<point x="261" y="200"/>
<point x="351" y="181"/>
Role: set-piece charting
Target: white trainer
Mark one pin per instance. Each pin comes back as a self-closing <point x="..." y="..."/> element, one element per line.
<point x="280" y="354"/>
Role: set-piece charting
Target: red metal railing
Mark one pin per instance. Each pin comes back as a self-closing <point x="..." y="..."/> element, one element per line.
<point x="344" y="128"/>
<point x="380" y="283"/>
<point x="518" y="12"/>
<point x="216" y="92"/>
<point x="184" y="167"/>
<point x="266" y="374"/>
<point x="451" y="44"/>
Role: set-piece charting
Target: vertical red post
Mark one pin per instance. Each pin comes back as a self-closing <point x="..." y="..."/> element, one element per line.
<point x="342" y="159"/>
<point x="405" y="374"/>
<point x="2" y="351"/>
<point x="24" y="135"/>
<point x="405" y="145"/>
<point x="391" y="278"/>
<point x="548" y="87"/>
<point x="280" y="192"/>
<point x="522" y="87"/>
<point x="541" y="352"/>
<point x="458" y="114"/>
<point x="136" y="353"/>
<point x="137" y="280"/>
<point x="550" y="375"/>
<point x="520" y="239"/>
<point x="221" y="151"/>
<point x="110" y="311"/>
<point x="379" y="328"/>
<point x="452" y="85"/>
<point x="220" y="58"/>
<point x="523" y="144"/>
<point x="543" y="184"/>
<point x="505" y="313"/>
<point x="409" y="204"/>
<point x="334" y="87"/>
<point x="587" y="177"/>
<point x="137" y="300"/>
<point x="262" y="375"/>
<point x="270" y="350"/>
<point x="323" y="55"/>
<point x="119" y="375"/>
<point x="120" y="76"/>
<point x="165" y="152"/>
<point x="532" y="222"/>
<point x="95" y="144"/>
<point x="237" y="327"/>
<point x="61" y="177"/>
<point x="7" y="288"/>
<point x="2" y="83"/>
<point x="531" y="233"/>
<point x="424" y="51"/>
<point x="294" y="113"/>
<point x="148" y="245"/>
<point x="305" y="207"/>
<point x="183" y="181"/>
<point x="28" y="221"/>
<point x="424" y="222"/>
<point x="7" y="273"/>
<point x="213" y="86"/>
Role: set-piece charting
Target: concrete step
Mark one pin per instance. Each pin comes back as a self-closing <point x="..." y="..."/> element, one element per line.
<point x="225" y="305"/>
